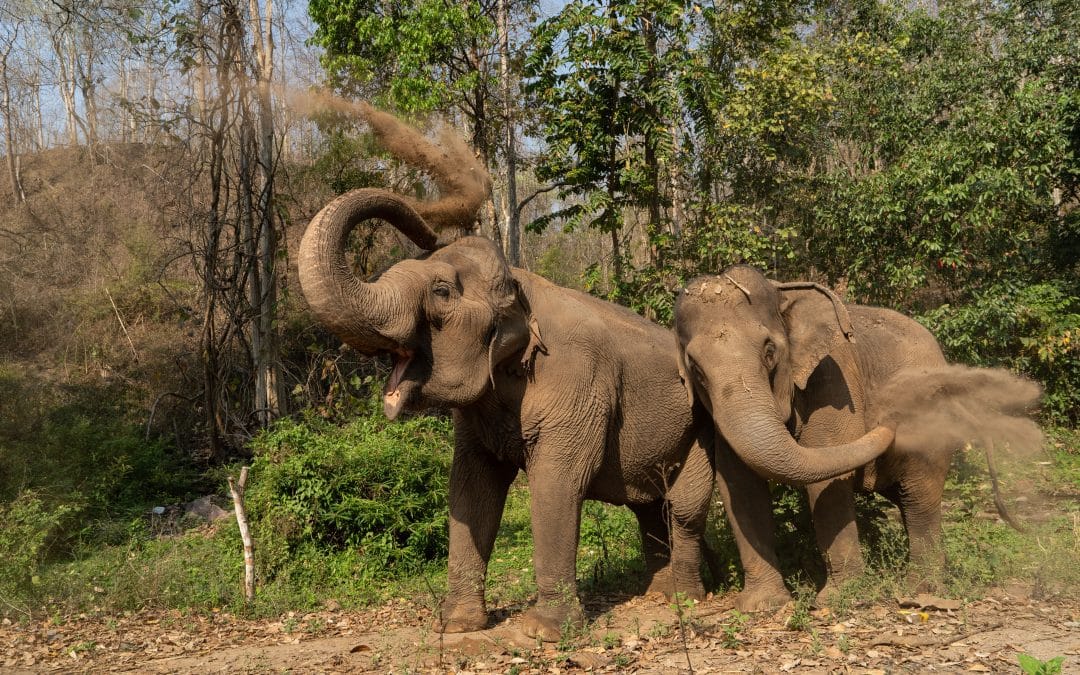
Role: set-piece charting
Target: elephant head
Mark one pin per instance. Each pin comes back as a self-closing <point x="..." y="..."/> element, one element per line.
<point x="446" y="318"/>
<point x="745" y="344"/>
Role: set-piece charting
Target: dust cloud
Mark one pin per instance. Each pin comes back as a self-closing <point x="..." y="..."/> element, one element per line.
<point x="937" y="410"/>
<point x="463" y="182"/>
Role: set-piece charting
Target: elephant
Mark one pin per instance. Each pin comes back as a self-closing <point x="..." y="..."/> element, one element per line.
<point x="582" y="395"/>
<point x="780" y="364"/>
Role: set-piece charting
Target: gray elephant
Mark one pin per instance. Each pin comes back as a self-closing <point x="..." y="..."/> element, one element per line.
<point x="582" y="395"/>
<point x="781" y="366"/>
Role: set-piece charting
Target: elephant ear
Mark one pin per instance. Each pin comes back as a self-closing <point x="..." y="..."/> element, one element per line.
<point x="513" y="331"/>
<point x="817" y="322"/>
<point x="680" y="360"/>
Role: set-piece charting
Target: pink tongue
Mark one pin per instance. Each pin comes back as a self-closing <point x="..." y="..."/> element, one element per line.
<point x="392" y="398"/>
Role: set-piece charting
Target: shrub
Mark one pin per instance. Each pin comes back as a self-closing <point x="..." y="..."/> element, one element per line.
<point x="80" y="451"/>
<point x="372" y="486"/>
<point x="25" y="526"/>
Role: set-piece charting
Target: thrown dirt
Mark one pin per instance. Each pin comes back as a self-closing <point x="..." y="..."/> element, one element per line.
<point x="936" y="410"/>
<point x="461" y="178"/>
<point x="627" y="634"/>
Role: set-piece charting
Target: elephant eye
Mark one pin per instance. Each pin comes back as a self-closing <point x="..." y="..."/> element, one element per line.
<point x="442" y="290"/>
<point x="768" y="355"/>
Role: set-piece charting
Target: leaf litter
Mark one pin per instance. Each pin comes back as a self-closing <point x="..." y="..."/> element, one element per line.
<point x="626" y="634"/>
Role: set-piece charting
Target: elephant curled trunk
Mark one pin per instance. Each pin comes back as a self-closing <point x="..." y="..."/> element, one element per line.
<point x="367" y="316"/>
<point x="757" y="435"/>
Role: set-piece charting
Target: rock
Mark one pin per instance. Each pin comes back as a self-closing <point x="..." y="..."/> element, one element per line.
<point x="588" y="660"/>
<point x="205" y="508"/>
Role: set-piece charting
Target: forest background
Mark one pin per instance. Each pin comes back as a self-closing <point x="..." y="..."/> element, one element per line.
<point x="164" y="157"/>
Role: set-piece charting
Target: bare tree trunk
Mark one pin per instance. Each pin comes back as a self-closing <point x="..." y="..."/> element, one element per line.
<point x="9" y="136"/>
<point x="40" y="116"/>
<point x="67" y="84"/>
<point x="652" y="164"/>
<point x="268" y="401"/>
<point x="511" y="214"/>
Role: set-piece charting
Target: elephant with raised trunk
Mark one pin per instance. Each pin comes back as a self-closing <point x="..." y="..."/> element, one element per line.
<point x="780" y="366"/>
<point x="582" y="395"/>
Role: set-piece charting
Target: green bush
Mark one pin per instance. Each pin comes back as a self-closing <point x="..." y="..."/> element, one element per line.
<point x="80" y="450"/>
<point x="372" y="486"/>
<point x="1032" y="329"/>
<point x="26" y="525"/>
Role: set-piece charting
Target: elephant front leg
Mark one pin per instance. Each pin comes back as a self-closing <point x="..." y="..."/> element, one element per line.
<point x="556" y="522"/>
<point x="748" y="506"/>
<point x="832" y="504"/>
<point x="478" y="488"/>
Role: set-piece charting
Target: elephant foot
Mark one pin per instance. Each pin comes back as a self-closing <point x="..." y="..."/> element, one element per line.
<point x="548" y="622"/>
<point x="836" y="584"/>
<point x="664" y="582"/>
<point x="760" y="597"/>
<point x="922" y="579"/>
<point x="460" y="616"/>
<point x="661" y="582"/>
<point x="829" y="593"/>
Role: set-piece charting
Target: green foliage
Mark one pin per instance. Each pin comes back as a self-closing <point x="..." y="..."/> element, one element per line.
<point x="342" y="163"/>
<point x="955" y="142"/>
<point x="1033" y="666"/>
<point x="26" y="525"/>
<point x="373" y="486"/>
<point x="732" y="637"/>
<point x="79" y="451"/>
<point x="1029" y="328"/>
<point x="609" y="551"/>
<point x="411" y="56"/>
<point x="600" y="79"/>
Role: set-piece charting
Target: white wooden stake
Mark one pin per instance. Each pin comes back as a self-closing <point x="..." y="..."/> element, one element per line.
<point x="237" y="491"/>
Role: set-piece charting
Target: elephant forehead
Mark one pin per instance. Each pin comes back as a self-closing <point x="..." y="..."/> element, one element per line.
<point x="474" y="262"/>
<point x="705" y="287"/>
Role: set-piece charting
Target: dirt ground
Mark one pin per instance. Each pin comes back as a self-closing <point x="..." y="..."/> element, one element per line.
<point x="627" y="634"/>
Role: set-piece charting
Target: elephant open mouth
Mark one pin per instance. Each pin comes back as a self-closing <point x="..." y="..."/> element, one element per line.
<point x="394" y="395"/>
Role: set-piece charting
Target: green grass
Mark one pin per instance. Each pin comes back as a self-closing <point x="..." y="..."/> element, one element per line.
<point x="304" y="470"/>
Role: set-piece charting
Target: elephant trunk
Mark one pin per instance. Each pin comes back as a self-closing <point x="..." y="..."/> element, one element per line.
<point x="367" y="316"/>
<point x="758" y="436"/>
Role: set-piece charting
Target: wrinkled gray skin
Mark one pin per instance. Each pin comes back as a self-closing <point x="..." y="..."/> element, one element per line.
<point x="777" y="366"/>
<point x="582" y="395"/>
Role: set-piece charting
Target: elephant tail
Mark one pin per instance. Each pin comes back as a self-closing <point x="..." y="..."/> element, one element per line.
<point x="999" y="502"/>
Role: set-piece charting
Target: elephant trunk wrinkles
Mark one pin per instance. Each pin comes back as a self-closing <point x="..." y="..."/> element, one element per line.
<point x="367" y="316"/>
<point x="761" y="440"/>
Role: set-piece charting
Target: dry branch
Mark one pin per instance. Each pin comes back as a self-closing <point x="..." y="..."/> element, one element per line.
<point x="237" y="491"/>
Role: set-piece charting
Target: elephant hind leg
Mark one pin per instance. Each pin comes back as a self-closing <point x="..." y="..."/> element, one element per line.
<point x="673" y="530"/>
<point x="832" y="504"/>
<point x="920" y="506"/>
<point x="655" y="546"/>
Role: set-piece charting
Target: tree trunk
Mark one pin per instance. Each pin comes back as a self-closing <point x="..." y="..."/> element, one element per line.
<point x="9" y="136"/>
<point x="652" y="164"/>
<point x="268" y="401"/>
<point x="511" y="214"/>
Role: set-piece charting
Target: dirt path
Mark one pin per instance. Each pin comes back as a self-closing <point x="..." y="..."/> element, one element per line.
<point x="632" y="635"/>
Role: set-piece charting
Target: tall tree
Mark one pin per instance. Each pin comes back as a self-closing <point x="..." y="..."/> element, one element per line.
<point x="601" y="77"/>
<point x="417" y="57"/>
